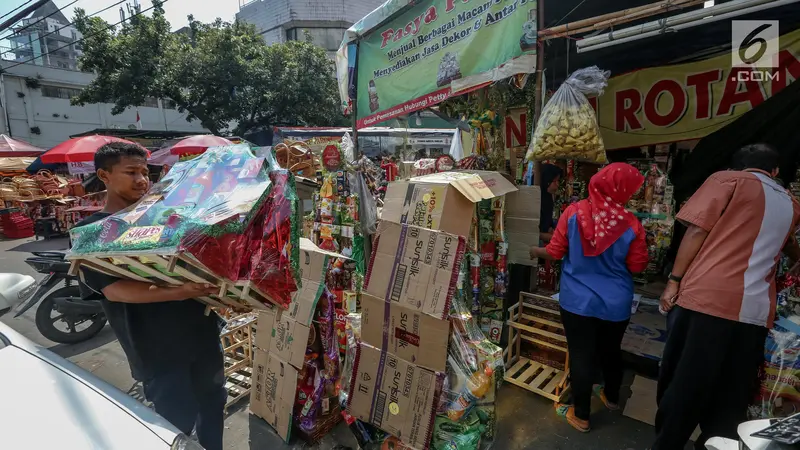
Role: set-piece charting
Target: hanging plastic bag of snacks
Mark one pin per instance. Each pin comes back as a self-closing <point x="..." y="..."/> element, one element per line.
<point x="567" y="127"/>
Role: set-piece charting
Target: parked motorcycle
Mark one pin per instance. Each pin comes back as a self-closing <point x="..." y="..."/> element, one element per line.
<point x="15" y="288"/>
<point x="62" y="307"/>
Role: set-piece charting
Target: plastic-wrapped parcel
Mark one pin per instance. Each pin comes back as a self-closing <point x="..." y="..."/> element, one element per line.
<point x="226" y="214"/>
<point x="567" y="127"/>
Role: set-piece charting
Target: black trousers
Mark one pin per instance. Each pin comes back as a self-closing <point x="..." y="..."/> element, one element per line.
<point x="594" y="346"/>
<point x="708" y="377"/>
<point x="193" y="396"/>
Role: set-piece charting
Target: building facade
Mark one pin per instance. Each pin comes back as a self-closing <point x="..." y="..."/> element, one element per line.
<point x="45" y="38"/>
<point x="288" y="20"/>
<point x="35" y="107"/>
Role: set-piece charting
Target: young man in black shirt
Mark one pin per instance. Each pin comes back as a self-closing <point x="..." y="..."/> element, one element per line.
<point x="173" y="348"/>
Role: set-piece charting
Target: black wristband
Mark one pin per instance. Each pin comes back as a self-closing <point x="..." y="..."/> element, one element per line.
<point x="675" y="278"/>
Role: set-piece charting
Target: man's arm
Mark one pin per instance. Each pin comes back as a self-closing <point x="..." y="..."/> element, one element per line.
<point x="690" y="247"/>
<point x="127" y="291"/>
<point x="792" y="249"/>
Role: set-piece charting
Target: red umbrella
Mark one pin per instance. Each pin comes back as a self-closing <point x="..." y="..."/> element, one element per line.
<point x="197" y="144"/>
<point x="80" y="149"/>
<point x="13" y="147"/>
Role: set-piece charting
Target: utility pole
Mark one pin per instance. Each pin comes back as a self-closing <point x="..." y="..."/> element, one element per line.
<point x="25" y="11"/>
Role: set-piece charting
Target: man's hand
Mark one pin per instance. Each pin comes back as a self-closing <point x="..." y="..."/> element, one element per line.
<point x="669" y="296"/>
<point x="194" y="290"/>
<point x="536" y="252"/>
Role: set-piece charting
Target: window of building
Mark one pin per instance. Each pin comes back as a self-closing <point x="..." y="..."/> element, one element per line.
<point x="169" y="104"/>
<point x="327" y="38"/>
<point x="59" y="92"/>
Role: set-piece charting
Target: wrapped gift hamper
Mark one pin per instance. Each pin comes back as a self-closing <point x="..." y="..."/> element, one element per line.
<point x="227" y="218"/>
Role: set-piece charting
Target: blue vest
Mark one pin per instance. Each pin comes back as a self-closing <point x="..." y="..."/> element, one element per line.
<point x="597" y="286"/>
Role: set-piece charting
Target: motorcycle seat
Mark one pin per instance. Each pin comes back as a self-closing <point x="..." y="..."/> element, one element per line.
<point x="54" y="255"/>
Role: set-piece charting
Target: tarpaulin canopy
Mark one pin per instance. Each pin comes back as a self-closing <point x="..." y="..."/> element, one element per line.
<point x="15" y="147"/>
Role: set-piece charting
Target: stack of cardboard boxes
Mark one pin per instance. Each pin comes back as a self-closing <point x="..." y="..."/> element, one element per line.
<point x="401" y="364"/>
<point x="281" y="342"/>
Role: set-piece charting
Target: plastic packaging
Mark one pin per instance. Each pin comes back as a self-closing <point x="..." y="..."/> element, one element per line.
<point x="226" y="212"/>
<point x="567" y="127"/>
<point x="368" y="212"/>
<point x="779" y="394"/>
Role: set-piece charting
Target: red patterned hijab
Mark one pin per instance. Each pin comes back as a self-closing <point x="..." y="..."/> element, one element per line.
<point x="602" y="217"/>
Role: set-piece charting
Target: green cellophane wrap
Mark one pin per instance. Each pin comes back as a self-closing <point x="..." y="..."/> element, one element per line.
<point x="234" y="213"/>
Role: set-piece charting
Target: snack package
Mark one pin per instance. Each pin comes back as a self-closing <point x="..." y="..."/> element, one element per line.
<point x="567" y="127"/>
<point x="227" y="212"/>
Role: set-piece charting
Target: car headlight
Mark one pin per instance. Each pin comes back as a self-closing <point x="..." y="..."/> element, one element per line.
<point x="183" y="442"/>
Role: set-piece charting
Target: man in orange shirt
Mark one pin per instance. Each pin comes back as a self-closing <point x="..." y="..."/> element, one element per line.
<point x="721" y="298"/>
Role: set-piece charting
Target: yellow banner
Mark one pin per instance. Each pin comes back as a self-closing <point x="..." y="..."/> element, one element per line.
<point x="689" y="101"/>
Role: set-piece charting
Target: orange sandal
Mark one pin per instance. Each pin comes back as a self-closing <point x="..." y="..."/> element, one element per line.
<point x="568" y="412"/>
<point x="600" y="392"/>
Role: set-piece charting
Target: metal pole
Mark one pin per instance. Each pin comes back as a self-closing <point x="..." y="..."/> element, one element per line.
<point x="538" y="100"/>
<point x="354" y="111"/>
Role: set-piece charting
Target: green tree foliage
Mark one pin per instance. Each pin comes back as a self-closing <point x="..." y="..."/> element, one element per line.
<point x="220" y="74"/>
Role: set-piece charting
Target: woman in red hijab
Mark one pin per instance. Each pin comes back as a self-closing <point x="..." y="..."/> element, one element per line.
<point x="601" y="245"/>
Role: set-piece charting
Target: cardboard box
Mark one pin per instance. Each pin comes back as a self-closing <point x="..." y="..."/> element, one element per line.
<point x="395" y="395"/>
<point x="411" y="335"/>
<point x="525" y="203"/>
<point x="415" y="267"/>
<point x="285" y="333"/>
<point x="523" y="211"/>
<point x="263" y="327"/>
<point x="273" y="393"/>
<point x="281" y="335"/>
<point x="521" y="234"/>
<point x="442" y="201"/>
<point x="313" y="266"/>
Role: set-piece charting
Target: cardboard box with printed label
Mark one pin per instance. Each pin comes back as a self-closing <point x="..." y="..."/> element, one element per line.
<point x="442" y="201"/>
<point x="415" y="267"/>
<point x="410" y="334"/>
<point x="282" y="336"/>
<point x="286" y="332"/>
<point x="395" y="395"/>
<point x="273" y="393"/>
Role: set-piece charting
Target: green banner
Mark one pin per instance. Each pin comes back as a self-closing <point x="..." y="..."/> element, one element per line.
<point x="440" y="48"/>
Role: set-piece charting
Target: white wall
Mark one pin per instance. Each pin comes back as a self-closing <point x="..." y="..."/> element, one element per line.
<point x="35" y="110"/>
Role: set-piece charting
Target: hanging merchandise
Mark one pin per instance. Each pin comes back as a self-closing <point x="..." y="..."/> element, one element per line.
<point x="567" y="127"/>
<point x="654" y="206"/>
<point x="226" y="214"/>
<point x="338" y="226"/>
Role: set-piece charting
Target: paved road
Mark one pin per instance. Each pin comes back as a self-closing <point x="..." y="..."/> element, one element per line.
<point x="525" y="421"/>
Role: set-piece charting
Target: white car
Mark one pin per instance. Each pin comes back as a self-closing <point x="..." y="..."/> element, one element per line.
<point x="50" y="403"/>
